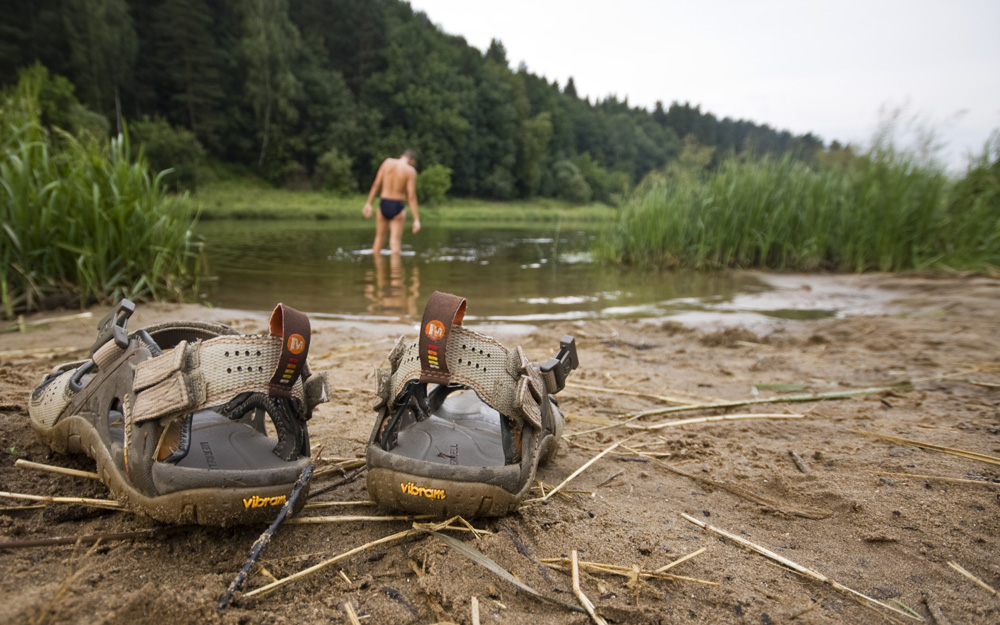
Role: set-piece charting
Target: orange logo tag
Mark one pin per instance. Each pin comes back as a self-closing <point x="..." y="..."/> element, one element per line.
<point x="434" y="330"/>
<point x="296" y="343"/>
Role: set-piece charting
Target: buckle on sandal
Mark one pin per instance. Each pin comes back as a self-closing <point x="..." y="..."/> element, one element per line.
<point x="555" y="370"/>
<point x="113" y="326"/>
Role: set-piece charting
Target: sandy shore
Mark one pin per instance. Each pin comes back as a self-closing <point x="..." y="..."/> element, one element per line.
<point x="882" y="518"/>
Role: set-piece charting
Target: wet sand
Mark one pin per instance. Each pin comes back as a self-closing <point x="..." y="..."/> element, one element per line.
<point x="848" y="506"/>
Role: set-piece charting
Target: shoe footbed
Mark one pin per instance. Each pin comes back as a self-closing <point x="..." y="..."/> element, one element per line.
<point x="463" y="431"/>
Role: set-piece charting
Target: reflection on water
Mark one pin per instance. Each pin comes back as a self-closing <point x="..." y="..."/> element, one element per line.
<point x="390" y="289"/>
<point x="529" y="273"/>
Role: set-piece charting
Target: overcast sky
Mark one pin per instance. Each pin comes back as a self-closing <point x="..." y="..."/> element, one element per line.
<point x="820" y="66"/>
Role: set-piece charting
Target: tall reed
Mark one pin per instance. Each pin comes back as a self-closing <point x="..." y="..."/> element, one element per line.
<point x="883" y="211"/>
<point x="82" y="220"/>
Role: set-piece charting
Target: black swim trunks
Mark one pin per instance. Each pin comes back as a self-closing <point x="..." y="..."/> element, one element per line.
<point x="391" y="208"/>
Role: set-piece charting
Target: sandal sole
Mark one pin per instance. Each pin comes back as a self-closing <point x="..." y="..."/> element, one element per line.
<point x="203" y="506"/>
<point x="445" y="498"/>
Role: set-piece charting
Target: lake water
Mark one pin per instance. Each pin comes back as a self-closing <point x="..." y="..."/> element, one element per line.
<point x="526" y="274"/>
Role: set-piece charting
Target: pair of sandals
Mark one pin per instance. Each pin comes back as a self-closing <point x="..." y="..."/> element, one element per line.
<point x="175" y="416"/>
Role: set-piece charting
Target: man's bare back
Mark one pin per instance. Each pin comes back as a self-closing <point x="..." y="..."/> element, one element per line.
<point x="397" y="180"/>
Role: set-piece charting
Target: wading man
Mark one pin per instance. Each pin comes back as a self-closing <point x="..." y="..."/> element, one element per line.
<point x="397" y="179"/>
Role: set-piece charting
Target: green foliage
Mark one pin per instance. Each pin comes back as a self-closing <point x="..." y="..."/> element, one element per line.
<point x="169" y="148"/>
<point x="570" y="184"/>
<point x="333" y="173"/>
<point x="275" y="85"/>
<point x="82" y="220"/>
<point x="885" y="210"/>
<point x="433" y="184"/>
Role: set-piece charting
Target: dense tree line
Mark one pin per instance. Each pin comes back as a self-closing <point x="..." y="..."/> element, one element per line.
<point x="317" y="92"/>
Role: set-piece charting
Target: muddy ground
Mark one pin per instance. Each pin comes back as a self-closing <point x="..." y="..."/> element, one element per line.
<point x="848" y="513"/>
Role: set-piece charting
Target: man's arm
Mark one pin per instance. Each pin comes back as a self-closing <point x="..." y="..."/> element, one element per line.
<point x="367" y="210"/>
<point x="411" y="192"/>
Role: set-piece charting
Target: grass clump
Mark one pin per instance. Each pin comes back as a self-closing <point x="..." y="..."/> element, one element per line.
<point x="82" y="219"/>
<point x="885" y="210"/>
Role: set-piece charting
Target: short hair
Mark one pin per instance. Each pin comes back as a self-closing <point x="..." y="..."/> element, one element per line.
<point x="410" y="154"/>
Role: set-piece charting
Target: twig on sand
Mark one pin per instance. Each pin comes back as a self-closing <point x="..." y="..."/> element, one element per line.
<point x="727" y="417"/>
<point x="584" y="601"/>
<point x="347" y="479"/>
<point x="336" y="504"/>
<point x="578" y="472"/>
<point x="948" y="450"/>
<point x="261" y="542"/>
<point x="798" y="461"/>
<point x="84" y="501"/>
<point x="90" y="538"/>
<point x="38" y="466"/>
<point x="633" y="572"/>
<point x="667" y="567"/>
<point x="936" y="477"/>
<point x="484" y="561"/>
<point x="351" y="614"/>
<point x="347" y="554"/>
<point x="798" y="568"/>
<point x="630" y="417"/>
<point x="313" y="520"/>
<point x="975" y="579"/>
<point x="621" y="391"/>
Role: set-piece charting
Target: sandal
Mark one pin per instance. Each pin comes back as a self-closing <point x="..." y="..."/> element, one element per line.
<point x="174" y="415"/>
<point x="463" y="422"/>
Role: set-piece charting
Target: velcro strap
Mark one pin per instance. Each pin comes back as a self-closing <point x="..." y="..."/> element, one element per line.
<point x="293" y="329"/>
<point x="180" y="393"/>
<point x="154" y="370"/>
<point x="208" y="373"/>
<point x="443" y="312"/>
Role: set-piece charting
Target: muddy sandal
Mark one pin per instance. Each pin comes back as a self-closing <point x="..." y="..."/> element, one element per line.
<point x="174" y="415"/>
<point x="463" y="422"/>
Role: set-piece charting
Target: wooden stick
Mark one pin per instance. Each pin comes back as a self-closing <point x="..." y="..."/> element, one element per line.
<point x="475" y="611"/>
<point x="584" y="601"/>
<point x="72" y="540"/>
<point x="325" y="563"/>
<point x="628" y="418"/>
<point x="728" y="417"/>
<point x="261" y="542"/>
<point x="334" y="504"/>
<point x="798" y="461"/>
<point x="948" y="450"/>
<point x="667" y="567"/>
<point x="936" y="477"/>
<point x="798" y="568"/>
<point x="975" y="579"/>
<point x="621" y="391"/>
<point x="310" y="520"/>
<point x="630" y="572"/>
<point x="351" y="614"/>
<point x="28" y="464"/>
<point x="579" y="471"/>
<point x="97" y="503"/>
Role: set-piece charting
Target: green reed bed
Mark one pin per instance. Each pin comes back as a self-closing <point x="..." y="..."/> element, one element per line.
<point x="884" y="211"/>
<point x="82" y="220"/>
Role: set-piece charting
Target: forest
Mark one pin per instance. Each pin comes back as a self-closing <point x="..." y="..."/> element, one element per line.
<point x="313" y="94"/>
